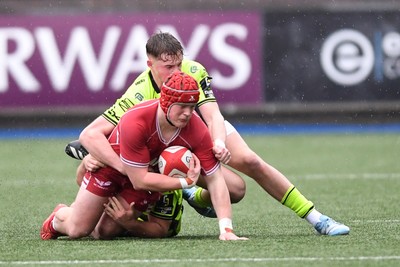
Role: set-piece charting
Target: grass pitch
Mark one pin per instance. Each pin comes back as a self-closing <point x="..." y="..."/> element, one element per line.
<point x="353" y="178"/>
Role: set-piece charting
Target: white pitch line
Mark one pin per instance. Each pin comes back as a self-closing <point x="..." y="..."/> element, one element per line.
<point x="130" y="261"/>
<point x="377" y="221"/>
<point x="320" y="176"/>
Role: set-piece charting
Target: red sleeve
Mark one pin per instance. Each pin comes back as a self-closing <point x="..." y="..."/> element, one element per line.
<point x="132" y="132"/>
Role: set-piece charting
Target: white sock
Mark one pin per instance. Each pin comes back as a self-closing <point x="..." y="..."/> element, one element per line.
<point x="53" y="224"/>
<point x="313" y="217"/>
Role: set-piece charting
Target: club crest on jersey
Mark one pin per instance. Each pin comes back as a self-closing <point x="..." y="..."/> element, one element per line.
<point x="102" y="184"/>
<point x="193" y="69"/>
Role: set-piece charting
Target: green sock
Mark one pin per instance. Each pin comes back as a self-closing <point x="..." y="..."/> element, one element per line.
<point x="295" y="201"/>
<point x="199" y="200"/>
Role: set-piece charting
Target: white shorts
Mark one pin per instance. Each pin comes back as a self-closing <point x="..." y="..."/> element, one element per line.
<point x="229" y="128"/>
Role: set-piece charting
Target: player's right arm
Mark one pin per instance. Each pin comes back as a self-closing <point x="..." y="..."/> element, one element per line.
<point x="94" y="136"/>
<point x="142" y="179"/>
<point x="94" y="139"/>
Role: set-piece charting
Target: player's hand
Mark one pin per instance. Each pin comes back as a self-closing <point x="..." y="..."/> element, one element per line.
<point x="118" y="213"/>
<point x="231" y="236"/>
<point x="194" y="169"/>
<point x="221" y="152"/>
<point x="92" y="164"/>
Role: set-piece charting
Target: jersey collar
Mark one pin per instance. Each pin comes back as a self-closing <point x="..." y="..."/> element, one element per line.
<point x="153" y="83"/>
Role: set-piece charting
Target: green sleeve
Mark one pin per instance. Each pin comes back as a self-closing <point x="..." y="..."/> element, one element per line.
<point x="140" y="90"/>
<point x="199" y="73"/>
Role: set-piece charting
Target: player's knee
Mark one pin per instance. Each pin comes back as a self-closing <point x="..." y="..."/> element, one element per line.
<point x="237" y="189"/>
<point x="235" y="184"/>
<point x="237" y="192"/>
<point x="101" y="233"/>
<point x="252" y="161"/>
<point x="77" y="231"/>
<point x="249" y="163"/>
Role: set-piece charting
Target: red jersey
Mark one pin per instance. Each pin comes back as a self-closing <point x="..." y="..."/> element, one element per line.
<point x="139" y="141"/>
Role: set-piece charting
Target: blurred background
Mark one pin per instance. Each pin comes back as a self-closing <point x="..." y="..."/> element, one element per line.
<point x="62" y="63"/>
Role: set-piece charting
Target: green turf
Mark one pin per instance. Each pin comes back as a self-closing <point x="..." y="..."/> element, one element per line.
<point x="353" y="178"/>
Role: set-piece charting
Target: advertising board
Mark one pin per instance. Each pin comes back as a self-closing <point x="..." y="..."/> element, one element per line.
<point x="316" y="56"/>
<point x="84" y="60"/>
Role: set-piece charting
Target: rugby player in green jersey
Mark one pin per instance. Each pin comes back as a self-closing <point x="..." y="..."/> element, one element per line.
<point x="165" y="55"/>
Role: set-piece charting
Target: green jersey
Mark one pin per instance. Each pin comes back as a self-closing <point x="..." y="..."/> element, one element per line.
<point x="145" y="88"/>
<point x="169" y="207"/>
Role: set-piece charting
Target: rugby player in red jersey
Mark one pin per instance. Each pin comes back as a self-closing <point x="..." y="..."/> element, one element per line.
<point x="139" y="138"/>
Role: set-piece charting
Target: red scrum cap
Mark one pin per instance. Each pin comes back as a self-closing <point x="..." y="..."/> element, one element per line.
<point x="179" y="88"/>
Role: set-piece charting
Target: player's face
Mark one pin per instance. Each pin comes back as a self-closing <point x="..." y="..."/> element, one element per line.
<point x="180" y="114"/>
<point x="163" y="66"/>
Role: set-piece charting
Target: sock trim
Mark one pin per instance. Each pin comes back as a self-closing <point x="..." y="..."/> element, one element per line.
<point x="285" y="197"/>
<point x="308" y="212"/>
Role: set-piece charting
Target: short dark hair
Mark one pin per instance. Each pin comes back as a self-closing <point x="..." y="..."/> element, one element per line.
<point x="163" y="43"/>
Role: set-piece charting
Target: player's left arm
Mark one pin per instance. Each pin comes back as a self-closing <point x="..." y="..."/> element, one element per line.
<point x="221" y="202"/>
<point x="154" y="228"/>
<point x="219" y="194"/>
<point x="95" y="139"/>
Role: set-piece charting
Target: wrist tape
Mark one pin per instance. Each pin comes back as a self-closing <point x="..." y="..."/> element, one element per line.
<point x="186" y="183"/>
<point x="225" y="226"/>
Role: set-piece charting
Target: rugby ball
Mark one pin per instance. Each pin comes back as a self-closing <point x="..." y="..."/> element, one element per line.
<point x="174" y="161"/>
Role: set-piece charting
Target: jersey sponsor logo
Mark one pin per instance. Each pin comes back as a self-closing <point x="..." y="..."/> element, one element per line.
<point x="205" y="85"/>
<point x="125" y="104"/>
<point x="209" y="93"/>
<point x="113" y="116"/>
<point x="139" y="97"/>
<point x="139" y="82"/>
<point x="165" y="205"/>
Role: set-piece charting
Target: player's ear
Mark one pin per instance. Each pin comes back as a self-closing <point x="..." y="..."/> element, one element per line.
<point x="149" y="63"/>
